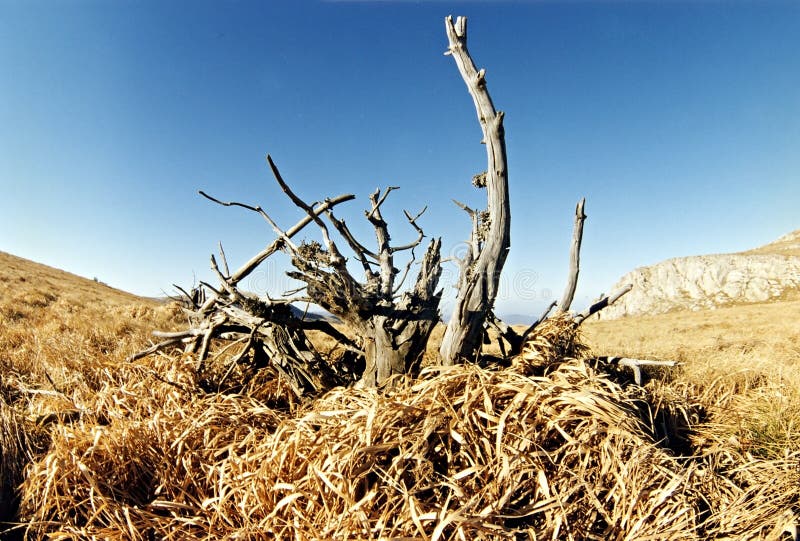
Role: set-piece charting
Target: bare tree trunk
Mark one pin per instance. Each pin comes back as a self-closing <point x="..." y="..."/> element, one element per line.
<point x="397" y="336"/>
<point x="574" y="257"/>
<point x="382" y="359"/>
<point x="480" y="270"/>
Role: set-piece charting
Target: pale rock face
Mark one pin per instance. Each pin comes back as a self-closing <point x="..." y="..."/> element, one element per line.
<point x="703" y="282"/>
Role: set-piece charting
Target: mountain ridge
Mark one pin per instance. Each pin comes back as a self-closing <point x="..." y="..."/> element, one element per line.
<point x="767" y="273"/>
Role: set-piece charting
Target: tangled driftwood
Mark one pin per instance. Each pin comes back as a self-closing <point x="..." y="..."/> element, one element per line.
<point x="386" y="324"/>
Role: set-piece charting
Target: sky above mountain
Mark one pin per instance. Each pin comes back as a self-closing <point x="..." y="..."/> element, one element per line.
<point x="679" y="122"/>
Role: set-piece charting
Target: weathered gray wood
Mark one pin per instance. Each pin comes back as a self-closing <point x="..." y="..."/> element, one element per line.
<point x="479" y="280"/>
<point x="336" y="259"/>
<point x="636" y="365"/>
<point x="385" y="256"/>
<point x="505" y="332"/>
<point x="387" y="352"/>
<point x="574" y="258"/>
<point x="252" y="264"/>
<point x="275" y="332"/>
<point x="392" y="333"/>
<point x="153" y="349"/>
<point x="602" y="303"/>
<point x="400" y="340"/>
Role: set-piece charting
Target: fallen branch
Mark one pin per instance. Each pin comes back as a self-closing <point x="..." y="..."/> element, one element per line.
<point x="636" y="365"/>
<point x="602" y="303"/>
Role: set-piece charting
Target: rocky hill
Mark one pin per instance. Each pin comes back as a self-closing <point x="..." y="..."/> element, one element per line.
<point x="771" y="272"/>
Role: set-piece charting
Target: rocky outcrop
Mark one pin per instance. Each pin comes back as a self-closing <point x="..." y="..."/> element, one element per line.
<point x="702" y="282"/>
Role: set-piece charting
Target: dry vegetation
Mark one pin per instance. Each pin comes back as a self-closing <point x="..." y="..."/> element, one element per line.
<point x="60" y="337"/>
<point x="551" y="447"/>
<point x="741" y="361"/>
<point x="788" y="245"/>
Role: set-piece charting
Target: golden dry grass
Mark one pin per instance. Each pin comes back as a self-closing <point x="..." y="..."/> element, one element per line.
<point x="787" y="245"/>
<point x="58" y="334"/>
<point x="743" y="362"/>
<point x="549" y="448"/>
<point x="63" y="326"/>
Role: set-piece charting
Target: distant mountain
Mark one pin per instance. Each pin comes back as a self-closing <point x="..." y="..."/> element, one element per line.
<point x="789" y="245"/>
<point x="768" y="273"/>
<point x="519" y="319"/>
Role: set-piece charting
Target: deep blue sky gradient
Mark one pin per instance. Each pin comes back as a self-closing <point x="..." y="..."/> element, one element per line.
<point x="679" y="121"/>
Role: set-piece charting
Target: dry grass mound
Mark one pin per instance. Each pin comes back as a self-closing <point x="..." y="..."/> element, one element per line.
<point x="554" y="447"/>
<point x="550" y="448"/>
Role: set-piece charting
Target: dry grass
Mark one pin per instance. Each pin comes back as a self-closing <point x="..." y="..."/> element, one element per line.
<point x="59" y="326"/>
<point x="461" y="453"/>
<point x="59" y="334"/>
<point x="788" y="245"/>
<point x="550" y="448"/>
<point x="742" y="362"/>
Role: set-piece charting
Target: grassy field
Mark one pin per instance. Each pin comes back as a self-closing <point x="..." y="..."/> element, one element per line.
<point x="117" y="450"/>
<point x="743" y="360"/>
<point x="60" y="334"/>
<point x="58" y="329"/>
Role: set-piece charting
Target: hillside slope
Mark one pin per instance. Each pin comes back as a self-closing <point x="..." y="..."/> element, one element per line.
<point x="20" y="278"/>
<point x="53" y="322"/>
<point x="771" y="272"/>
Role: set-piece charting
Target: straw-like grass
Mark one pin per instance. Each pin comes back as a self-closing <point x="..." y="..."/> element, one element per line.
<point x="20" y="441"/>
<point x="555" y="451"/>
<point x="461" y="453"/>
<point x="12" y="445"/>
<point x="553" y="447"/>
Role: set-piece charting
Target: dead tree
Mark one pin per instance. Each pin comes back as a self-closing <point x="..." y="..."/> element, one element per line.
<point x="490" y="240"/>
<point x="386" y="324"/>
<point x="392" y="328"/>
<point x="266" y="331"/>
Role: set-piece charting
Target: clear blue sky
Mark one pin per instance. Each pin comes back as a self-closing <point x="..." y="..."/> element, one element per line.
<point x="679" y="121"/>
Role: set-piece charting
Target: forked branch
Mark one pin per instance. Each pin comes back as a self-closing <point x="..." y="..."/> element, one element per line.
<point x="336" y="258"/>
<point x="245" y="270"/>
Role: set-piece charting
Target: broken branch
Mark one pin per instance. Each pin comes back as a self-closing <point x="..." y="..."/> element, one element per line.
<point x="602" y="303"/>
<point x="574" y="257"/>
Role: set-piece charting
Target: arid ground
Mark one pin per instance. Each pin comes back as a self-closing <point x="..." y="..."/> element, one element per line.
<point x="95" y="446"/>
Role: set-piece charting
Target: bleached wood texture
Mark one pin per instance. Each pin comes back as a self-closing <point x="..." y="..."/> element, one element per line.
<point x="480" y="272"/>
<point x="574" y="257"/>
